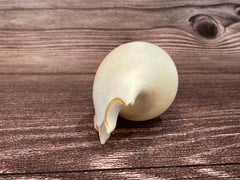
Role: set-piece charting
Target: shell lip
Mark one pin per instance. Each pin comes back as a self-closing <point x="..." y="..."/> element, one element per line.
<point x="106" y="112"/>
<point x="106" y="127"/>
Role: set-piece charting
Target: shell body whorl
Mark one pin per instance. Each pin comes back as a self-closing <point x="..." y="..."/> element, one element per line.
<point x="137" y="80"/>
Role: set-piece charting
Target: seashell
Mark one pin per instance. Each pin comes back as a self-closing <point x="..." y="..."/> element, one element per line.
<point x="137" y="81"/>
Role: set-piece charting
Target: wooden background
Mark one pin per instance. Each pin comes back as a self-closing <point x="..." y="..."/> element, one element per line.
<point x="49" y="52"/>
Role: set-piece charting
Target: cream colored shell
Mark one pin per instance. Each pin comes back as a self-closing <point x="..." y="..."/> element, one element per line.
<point x="136" y="80"/>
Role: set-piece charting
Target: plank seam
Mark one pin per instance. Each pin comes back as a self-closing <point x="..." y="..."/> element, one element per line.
<point x="118" y="169"/>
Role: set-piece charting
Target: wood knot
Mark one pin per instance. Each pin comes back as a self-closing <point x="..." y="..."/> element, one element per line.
<point x="205" y="26"/>
<point x="238" y="11"/>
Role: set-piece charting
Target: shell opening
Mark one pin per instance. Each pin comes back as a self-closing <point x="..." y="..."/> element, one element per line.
<point x="110" y="120"/>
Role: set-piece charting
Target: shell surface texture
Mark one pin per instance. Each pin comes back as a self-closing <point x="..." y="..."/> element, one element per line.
<point x="136" y="80"/>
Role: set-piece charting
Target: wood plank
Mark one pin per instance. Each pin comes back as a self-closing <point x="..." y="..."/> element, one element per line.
<point x="75" y="51"/>
<point x="91" y="4"/>
<point x="115" y="18"/>
<point x="69" y="40"/>
<point x="46" y="126"/>
<point x="202" y="172"/>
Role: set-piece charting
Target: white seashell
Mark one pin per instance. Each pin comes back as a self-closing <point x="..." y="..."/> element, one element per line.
<point x="136" y="80"/>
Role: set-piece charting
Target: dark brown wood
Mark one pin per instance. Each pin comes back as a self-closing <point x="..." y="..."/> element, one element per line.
<point x="46" y="125"/>
<point x="49" y="52"/>
<point x="196" y="172"/>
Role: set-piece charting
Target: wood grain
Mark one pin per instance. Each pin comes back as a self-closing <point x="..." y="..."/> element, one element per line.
<point x="93" y="4"/>
<point x="49" y="52"/>
<point x="144" y="18"/>
<point x="49" y="118"/>
<point x="65" y="52"/>
<point x="72" y="40"/>
<point x="196" y="172"/>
